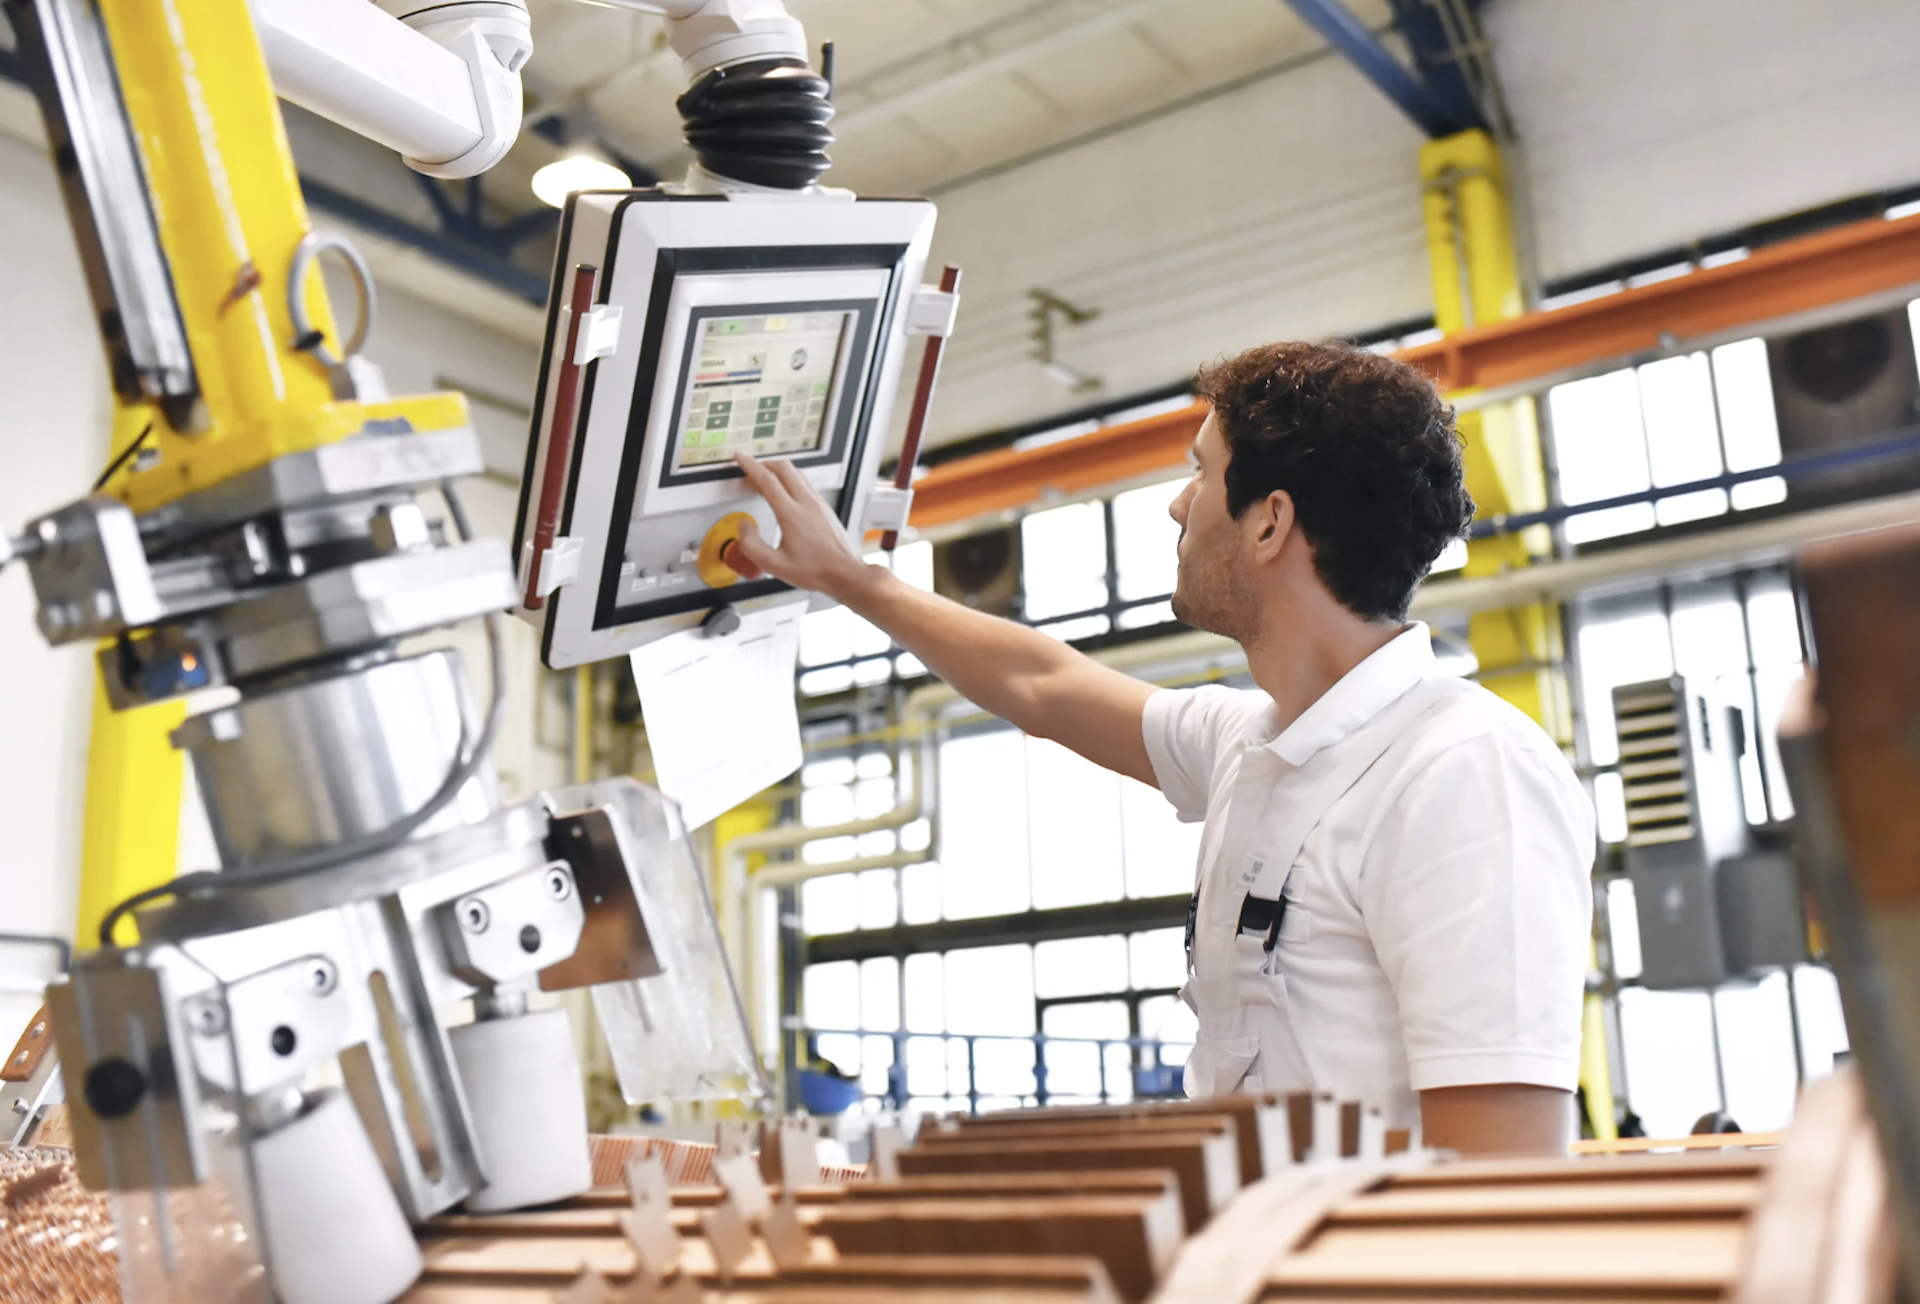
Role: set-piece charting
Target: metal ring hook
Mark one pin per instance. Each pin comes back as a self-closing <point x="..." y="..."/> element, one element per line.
<point x="311" y="246"/>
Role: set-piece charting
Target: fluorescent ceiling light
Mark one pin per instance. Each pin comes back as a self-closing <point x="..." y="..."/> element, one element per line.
<point x="560" y="178"/>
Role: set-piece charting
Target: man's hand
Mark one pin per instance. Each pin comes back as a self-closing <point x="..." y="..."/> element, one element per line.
<point x="813" y="552"/>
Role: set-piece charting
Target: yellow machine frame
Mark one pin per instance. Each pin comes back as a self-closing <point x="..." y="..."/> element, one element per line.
<point x="227" y="202"/>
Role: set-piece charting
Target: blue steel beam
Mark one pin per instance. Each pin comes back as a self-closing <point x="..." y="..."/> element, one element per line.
<point x="1352" y="38"/>
<point x="1435" y="60"/>
<point x="462" y="255"/>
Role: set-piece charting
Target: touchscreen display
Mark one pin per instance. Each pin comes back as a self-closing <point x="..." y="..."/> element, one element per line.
<point x="759" y="384"/>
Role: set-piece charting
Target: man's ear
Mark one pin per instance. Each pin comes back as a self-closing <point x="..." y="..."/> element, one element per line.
<point x="1271" y="523"/>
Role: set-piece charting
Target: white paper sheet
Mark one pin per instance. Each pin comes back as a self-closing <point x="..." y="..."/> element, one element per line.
<point x="720" y="710"/>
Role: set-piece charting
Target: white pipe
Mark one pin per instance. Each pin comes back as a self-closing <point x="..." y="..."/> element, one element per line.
<point x="441" y="89"/>
<point x="707" y="34"/>
<point x="744" y="893"/>
<point x="1731" y="545"/>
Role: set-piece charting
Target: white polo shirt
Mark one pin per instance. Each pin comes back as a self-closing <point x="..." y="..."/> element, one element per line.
<point x="1439" y="908"/>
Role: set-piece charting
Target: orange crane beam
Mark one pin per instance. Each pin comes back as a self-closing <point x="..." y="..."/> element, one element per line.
<point x="1776" y="282"/>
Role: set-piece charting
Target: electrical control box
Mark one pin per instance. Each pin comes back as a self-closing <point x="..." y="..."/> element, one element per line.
<point x="683" y="329"/>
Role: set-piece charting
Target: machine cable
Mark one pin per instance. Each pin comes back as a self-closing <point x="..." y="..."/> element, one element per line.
<point x="122" y="458"/>
<point x="467" y="763"/>
<point x="763" y="122"/>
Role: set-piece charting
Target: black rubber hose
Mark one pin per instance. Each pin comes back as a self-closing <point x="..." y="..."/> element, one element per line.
<point x="763" y="122"/>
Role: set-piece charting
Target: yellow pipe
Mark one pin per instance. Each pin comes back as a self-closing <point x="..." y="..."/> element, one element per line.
<point x="583" y="725"/>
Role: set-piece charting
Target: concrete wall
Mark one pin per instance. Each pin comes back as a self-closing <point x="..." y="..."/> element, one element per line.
<point x="1648" y="123"/>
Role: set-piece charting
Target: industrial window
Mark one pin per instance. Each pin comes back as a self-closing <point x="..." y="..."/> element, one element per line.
<point x="1025" y="824"/>
<point x="1677" y="421"/>
<point x="1144" y="539"/>
<point x="839" y="650"/>
<point x="1744" y="1046"/>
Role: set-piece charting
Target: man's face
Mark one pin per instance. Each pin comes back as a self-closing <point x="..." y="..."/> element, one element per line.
<point x="1215" y="590"/>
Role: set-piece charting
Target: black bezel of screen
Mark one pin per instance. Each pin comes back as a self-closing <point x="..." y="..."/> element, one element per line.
<point x="838" y="420"/>
<point x="667" y="264"/>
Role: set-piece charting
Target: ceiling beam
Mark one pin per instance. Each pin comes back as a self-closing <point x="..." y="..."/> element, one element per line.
<point x="1338" y="26"/>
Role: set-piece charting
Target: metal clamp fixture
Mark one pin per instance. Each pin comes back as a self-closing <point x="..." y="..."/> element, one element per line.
<point x="509" y="931"/>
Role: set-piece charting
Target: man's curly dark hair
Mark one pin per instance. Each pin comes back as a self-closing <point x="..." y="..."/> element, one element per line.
<point x="1367" y="449"/>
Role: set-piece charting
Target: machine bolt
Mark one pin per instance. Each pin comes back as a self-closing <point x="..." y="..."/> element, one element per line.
<point x="37" y="1031"/>
<point x="57" y="619"/>
<point x="529" y="939"/>
<point x="209" y="1018"/>
<point x="320" y="978"/>
<point x="21" y="1058"/>
<point x="113" y="1088"/>
<point x="474" y="915"/>
<point x="400" y="527"/>
<point x="559" y="884"/>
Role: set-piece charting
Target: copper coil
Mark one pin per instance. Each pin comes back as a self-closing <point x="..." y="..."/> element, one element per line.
<point x="57" y="1241"/>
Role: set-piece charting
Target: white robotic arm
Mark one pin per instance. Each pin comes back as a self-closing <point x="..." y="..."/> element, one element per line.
<point x="439" y="82"/>
<point x="707" y="34"/>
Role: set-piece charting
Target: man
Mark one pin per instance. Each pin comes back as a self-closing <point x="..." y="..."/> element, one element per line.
<point x="1392" y="898"/>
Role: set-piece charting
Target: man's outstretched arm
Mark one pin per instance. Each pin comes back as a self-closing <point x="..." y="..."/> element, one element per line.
<point x="1019" y="674"/>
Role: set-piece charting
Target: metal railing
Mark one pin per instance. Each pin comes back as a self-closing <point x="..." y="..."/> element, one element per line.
<point x="1146" y="1074"/>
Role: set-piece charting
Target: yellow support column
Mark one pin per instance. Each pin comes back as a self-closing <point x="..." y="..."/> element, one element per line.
<point x="135" y="780"/>
<point x="1521" y="650"/>
<point x="230" y="217"/>
<point x="1476" y="280"/>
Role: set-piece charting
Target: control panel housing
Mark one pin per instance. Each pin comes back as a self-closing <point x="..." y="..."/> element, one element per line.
<point x="770" y="324"/>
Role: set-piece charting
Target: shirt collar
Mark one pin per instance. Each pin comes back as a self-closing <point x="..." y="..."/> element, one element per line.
<point x="1361" y="693"/>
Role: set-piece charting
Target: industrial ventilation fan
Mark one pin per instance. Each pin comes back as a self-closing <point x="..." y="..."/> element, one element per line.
<point x="981" y="570"/>
<point x="1842" y="386"/>
<point x="1712" y="902"/>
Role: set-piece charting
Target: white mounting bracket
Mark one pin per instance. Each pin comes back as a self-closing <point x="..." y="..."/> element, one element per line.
<point x="888" y="508"/>
<point x="561" y="565"/>
<point x="932" y="311"/>
<point x="599" y="334"/>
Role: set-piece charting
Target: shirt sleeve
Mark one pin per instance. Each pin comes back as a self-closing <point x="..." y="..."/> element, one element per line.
<point x="1478" y="900"/>
<point x="1185" y="731"/>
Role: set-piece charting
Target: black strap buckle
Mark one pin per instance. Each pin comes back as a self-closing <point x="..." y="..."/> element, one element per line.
<point x="1257" y="915"/>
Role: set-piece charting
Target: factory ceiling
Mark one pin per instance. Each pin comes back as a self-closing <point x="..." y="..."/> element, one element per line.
<point x="928" y="92"/>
